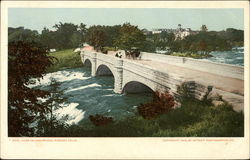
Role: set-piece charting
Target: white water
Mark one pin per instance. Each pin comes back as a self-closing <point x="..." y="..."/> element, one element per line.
<point x="83" y="87"/>
<point x="74" y="115"/>
<point x="228" y="57"/>
<point x="59" y="76"/>
<point x="88" y="95"/>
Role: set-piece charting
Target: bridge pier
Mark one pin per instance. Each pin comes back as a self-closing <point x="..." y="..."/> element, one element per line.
<point x="93" y="64"/>
<point x="119" y="75"/>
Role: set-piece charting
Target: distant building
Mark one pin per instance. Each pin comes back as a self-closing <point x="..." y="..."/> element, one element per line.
<point x="181" y="33"/>
<point x="52" y="50"/>
<point x="146" y="32"/>
<point x="160" y="30"/>
<point x="156" y="31"/>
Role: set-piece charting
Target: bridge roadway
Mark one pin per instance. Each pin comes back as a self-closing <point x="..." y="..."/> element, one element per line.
<point x="221" y="85"/>
<point x="208" y="79"/>
<point x="231" y="88"/>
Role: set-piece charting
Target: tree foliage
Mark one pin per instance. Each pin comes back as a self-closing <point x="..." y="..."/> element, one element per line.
<point x="203" y="41"/>
<point x="65" y="36"/>
<point x="97" y="37"/>
<point x="52" y="123"/>
<point x="48" y="38"/>
<point x="63" y="33"/>
<point x="25" y="61"/>
<point x="68" y="35"/>
<point x="21" y="34"/>
<point x="100" y="120"/>
<point x="233" y="36"/>
<point x="130" y="36"/>
<point x="162" y="103"/>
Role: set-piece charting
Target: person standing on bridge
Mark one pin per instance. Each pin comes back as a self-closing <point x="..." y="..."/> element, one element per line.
<point x="118" y="54"/>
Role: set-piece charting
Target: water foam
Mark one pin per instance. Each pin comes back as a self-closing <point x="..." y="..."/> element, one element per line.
<point x="109" y="95"/>
<point x="59" y="76"/>
<point x="74" y="115"/>
<point x="83" y="87"/>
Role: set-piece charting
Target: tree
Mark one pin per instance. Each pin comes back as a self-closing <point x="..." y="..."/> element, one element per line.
<point x="179" y="26"/>
<point x="131" y="36"/>
<point x="48" y="38"/>
<point x="97" y="37"/>
<point x="148" y="46"/>
<point x="75" y="40"/>
<point x="63" y="34"/>
<point x="113" y="33"/>
<point x="203" y="46"/>
<point x="52" y="124"/>
<point x="233" y="36"/>
<point x="21" y="34"/>
<point x="203" y="41"/>
<point x="25" y="61"/>
<point x="83" y="30"/>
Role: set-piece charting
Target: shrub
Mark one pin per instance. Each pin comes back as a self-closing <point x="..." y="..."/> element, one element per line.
<point x="185" y="92"/>
<point x="162" y="103"/>
<point x="110" y="48"/>
<point x="99" y="120"/>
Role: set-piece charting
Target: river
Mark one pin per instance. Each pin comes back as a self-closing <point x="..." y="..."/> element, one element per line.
<point x="228" y="57"/>
<point x="86" y="95"/>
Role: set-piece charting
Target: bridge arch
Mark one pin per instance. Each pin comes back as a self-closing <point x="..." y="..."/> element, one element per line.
<point x="136" y="87"/>
<point x="104" y="70"/>
<point x="87" y="62"/>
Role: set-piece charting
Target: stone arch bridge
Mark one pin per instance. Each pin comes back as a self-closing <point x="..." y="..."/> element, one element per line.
<point x="165" y="73"/>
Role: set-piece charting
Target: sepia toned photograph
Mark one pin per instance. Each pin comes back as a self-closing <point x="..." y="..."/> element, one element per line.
<point x="126" y="72"/>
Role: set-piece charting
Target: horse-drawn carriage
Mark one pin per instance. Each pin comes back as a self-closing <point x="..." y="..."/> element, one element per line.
<point x="134" y="53"/>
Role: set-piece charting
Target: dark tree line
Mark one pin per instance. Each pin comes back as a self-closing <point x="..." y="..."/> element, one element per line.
<point x="68" y="35"/>
<point x="203" y="41"/>
<point x="65" y="36"/>
<point x="123" y="36"/>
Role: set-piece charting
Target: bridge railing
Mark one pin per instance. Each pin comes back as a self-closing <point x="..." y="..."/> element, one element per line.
<point x="105" y="58"/>
<point x="86" y="53"/>
<point x="226" y="70"/>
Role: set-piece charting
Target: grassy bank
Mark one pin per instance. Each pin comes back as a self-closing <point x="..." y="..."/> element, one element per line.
<point x="192" y="55"/>
<point x="193" y="119"/>
<point x="65" y="59"/>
